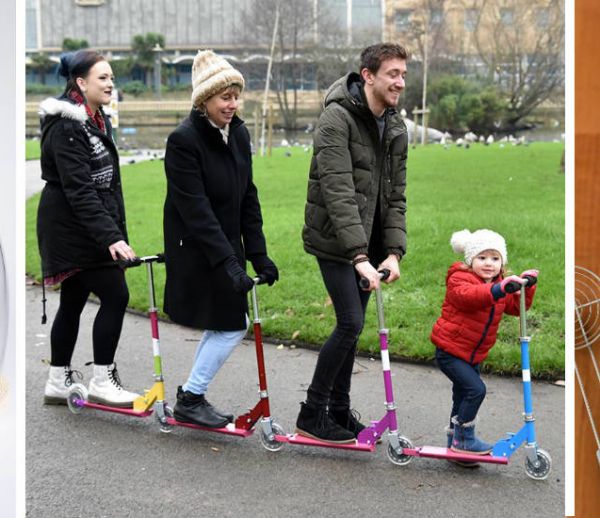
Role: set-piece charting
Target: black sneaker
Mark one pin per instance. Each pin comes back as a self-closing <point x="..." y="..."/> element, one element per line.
<point x="194" y="409"/>
<point x="224" y="415"/>
<point x="316" y="423"/>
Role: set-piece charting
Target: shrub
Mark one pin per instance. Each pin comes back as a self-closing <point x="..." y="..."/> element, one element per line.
<point x="135" y="88"/>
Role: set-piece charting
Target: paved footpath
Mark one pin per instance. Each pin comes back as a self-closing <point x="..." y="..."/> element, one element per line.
<point x="98" y="464"/>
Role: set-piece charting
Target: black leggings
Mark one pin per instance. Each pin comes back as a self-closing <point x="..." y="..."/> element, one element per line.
<point x="109" y="285"/>
<point x="331" y="380"/>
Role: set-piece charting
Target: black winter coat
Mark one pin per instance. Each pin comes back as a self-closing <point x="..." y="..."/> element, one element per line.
<point x="211" y="212"/>
<point x="81" y="210"/>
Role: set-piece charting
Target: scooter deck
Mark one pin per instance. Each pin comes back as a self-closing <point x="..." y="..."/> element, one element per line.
<point x="114" y="409"/>
<point x="307" y="441"/>
<point x="436" y="452"/>
<point x="230" y="429"/>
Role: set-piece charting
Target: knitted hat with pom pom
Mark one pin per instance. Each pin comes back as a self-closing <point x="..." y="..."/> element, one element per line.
<point x="211" y="74"/>
<point x="473" y="243"/>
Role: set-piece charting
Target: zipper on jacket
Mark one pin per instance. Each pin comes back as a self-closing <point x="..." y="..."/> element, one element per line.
<point x="485" y="332"/>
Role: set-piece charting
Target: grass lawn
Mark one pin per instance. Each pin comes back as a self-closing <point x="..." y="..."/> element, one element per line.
<point x="516" y="191"/>
<point x="32" y="149"/>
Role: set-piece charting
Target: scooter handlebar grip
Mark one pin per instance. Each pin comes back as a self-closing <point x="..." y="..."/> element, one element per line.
<point x="129" y="263"/>
<point x="383" y="275"/>
<point x="259" y="279"/>
<point x="531" y="280"/>
<point x="160" y="258"/>
<point x="512" y="287"/>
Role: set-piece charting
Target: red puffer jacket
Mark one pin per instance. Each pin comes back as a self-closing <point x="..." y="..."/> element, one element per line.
<point x="470" y="315"/>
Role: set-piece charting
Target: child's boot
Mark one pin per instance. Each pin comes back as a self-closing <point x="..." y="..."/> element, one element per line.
<point x="58" y="384"/>
<point x="314" y="421"/>
<point x="449" y="434"/>
<point x="449" y="437"/>
<point x="464" y="440"/>
<point x="105" y="388"/>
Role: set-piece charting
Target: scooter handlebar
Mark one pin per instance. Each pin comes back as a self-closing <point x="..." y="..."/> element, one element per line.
<point x="137" y="261"/>
<point x="512" y="287"/>
<point x="259" y="279"/>
<point x="364" y="282"/>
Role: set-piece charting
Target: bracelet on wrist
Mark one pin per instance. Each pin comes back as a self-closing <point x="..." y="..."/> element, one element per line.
<point x="360" y="259"/>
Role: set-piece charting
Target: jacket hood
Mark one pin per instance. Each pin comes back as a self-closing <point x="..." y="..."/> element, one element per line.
<point x="460" y="266"/>
<point x="348" y="92"/>
<point x="62" y="107"/>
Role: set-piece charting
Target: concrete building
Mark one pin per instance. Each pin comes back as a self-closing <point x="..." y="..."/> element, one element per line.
<point x="187" y="25"/>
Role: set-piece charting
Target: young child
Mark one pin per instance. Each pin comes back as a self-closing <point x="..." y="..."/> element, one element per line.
<point x="475" y="301"/>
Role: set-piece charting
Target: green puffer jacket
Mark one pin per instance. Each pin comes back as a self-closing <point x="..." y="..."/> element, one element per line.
<point x="350" y="167"/>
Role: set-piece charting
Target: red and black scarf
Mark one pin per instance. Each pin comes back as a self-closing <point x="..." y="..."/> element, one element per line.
<point x="96" y="118"/>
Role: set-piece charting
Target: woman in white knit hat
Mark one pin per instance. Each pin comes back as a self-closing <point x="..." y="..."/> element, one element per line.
<point x="476" y="298"/>
<point x="212" y="224"/>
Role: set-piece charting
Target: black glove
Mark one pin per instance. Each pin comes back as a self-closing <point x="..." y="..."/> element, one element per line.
<point x="241" y="282"/>
<point x="265" y="268"/>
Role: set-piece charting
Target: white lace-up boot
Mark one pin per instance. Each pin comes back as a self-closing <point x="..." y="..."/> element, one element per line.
<point x="105" y="388"/>
<point x="59" y="382"/>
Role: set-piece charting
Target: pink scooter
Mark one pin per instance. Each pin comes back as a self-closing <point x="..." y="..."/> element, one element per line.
<point x="368" y="438"/>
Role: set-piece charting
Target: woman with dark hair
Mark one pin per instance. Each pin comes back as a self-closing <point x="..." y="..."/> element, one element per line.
<point x="81" y="225"/>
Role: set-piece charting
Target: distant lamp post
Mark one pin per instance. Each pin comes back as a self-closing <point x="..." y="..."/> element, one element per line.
<point x="157" y="69"/>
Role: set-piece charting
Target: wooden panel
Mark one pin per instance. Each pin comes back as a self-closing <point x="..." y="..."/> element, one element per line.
<point x="587" y="239"/>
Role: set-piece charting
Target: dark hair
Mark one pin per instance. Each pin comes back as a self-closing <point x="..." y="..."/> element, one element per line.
<point x="372" y="57"/>
<point x="77" y="64"/>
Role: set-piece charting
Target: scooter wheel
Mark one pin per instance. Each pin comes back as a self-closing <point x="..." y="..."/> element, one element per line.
<point x="272" y="444"/>
<point x="164" y="426"/>
<point x="400" y="459"/>
<point x="77" y="393"/>
<point x="542" y="470"/>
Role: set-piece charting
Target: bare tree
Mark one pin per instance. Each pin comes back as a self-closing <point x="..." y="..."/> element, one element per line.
<point x="295" y="37"/>
<point x="521" y="44"/>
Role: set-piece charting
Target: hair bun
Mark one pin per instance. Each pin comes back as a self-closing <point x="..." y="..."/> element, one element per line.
<point x="459" y="241"/>
<point x="66" y="59"/>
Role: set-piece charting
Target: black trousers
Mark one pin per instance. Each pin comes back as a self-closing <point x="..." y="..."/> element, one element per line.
<point x="109" y="285"/>
<point x="331" y="380"/>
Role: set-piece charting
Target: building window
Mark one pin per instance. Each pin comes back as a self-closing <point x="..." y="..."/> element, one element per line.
<point x="90" y="2"/>
<point x="506" y="17"/>
<point x="471" y="18"/>
<point x="543" y="18"/>
<point x="402" y="19"/>
<point x="436" y="16"/>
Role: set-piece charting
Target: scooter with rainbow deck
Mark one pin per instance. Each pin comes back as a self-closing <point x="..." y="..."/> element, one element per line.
<point x="537" y="461"/>
<point x="153" y="400"/>
<point x="368" y="438"/>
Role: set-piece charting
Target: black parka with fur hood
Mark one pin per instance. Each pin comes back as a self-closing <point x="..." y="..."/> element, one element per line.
<point x="81" y="210"/>
<point x="351" y="170"/>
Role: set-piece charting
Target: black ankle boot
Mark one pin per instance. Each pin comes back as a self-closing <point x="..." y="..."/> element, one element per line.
<point x="193" y="408"/>
<point x="348" y="419"/>
<point x="315" y="422"/>
<point x="218" y="412"/>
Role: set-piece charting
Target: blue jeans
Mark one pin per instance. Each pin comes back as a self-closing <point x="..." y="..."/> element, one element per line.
<point x="468" y="391"/>
<point x="213" y="350"/>
<point x="331" y="380"/>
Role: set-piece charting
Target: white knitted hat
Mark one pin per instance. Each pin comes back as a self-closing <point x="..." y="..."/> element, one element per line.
<point x="210" y="75"/>
<point x="471" y="244"/>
